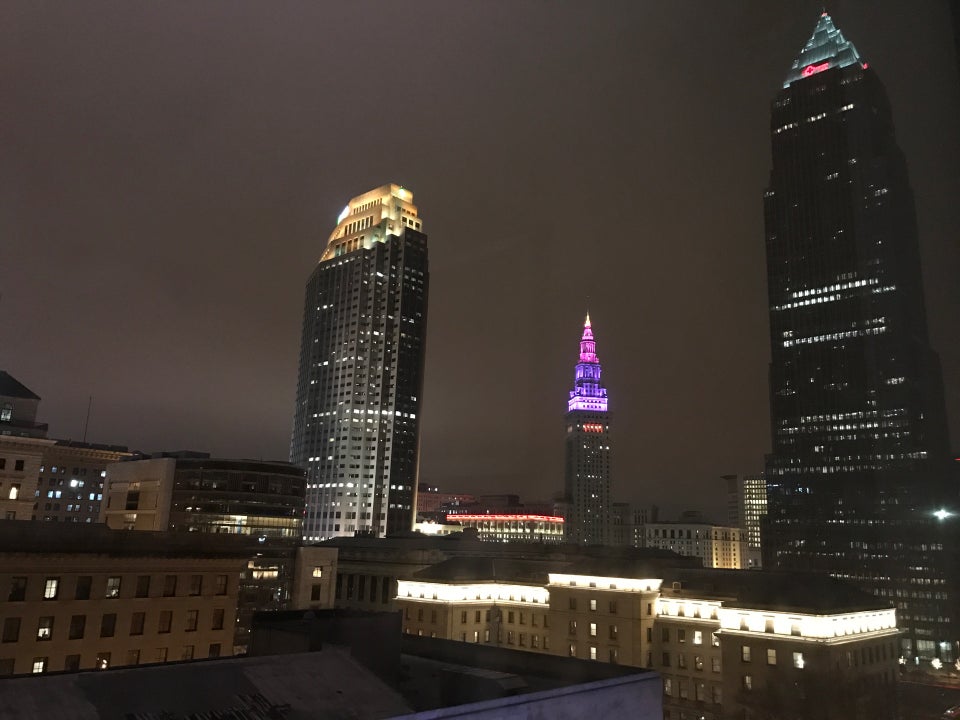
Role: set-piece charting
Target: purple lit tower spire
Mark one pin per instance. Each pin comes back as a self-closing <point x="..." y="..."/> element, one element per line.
<point x="588" y="393"/>
<point x="587" y="472"/>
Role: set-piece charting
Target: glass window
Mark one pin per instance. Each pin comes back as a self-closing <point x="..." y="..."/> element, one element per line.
<point x="133" y="657"/>
<point x="170" y="586"/>
<point x="166" y="620"/>
<point x="82" y="591"/>
<point x="771" y="656"/>
<point x="71" y="663"/>
<point x="113" y="587"/>
<point x="78" y="625"/>
<point x="798" y="660"/>
<point x="108" y="625"/>
<point x="681" y="636"/>
<point x="11" y="629"/>
<point x="221" y="585"/>
<point x="667" y="686"/>
<point x="137" y="621"/>
<point x="18" y="589"/>
<point x="745" y="653"/>
<point x="214" y="650"/>
<point x="143" y="586"/>
<point x="39" y="665"/>
<point x="593" y="629"/>
<point x="318" y="572"/>
<point x="217" y="619"/>
<point x="192" y="620"/>
<point x="715" y="664"/>
<point x="45" y="628"/>
<point x="698" y="637"/>
<point x="748" y="682"/>
<point x="187" y="653"/>
<point x="196" y="584"/>
<point x="103" y="661"/>
<point x="50" y="588"/>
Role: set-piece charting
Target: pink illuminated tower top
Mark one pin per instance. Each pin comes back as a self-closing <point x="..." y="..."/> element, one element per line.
<point x="588" y="394"/>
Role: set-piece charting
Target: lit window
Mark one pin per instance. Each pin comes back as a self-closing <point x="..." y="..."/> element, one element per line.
<point x="593" y="629"/>
<point x="745" y="653"/>
<point x="748" y="682"/>
<point x="113" y="587"/>
<point x="45" y="628"/>
<point x="39" y="665"/>
<point x="50" y="588"/>
<point x="771" y="656"/>
<point x="593" y="653"/>
<point x="798" y="660"/>
<point x="697" y="637"/>
<point x="318" y="572"/>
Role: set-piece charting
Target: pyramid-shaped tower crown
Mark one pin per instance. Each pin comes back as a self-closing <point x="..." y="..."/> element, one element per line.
<point x="827" y="48"/>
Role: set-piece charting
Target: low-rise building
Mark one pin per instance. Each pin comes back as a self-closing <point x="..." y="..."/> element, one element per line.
<point x="81" y="597"/>
<point x="746" y="509"/>
<point x="728" y="644"/>
<point x="718" y="546"/>
<point x="259" y="501"/>
<point x="513" y="527"/>
<point x="71" y="477"/>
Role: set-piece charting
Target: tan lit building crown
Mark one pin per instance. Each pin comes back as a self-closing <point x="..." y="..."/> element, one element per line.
<point x="370" y="218"/>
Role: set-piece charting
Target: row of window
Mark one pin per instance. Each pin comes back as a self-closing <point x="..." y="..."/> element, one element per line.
<point x="699" y="688"/>
<point x="71" y="663"/>
<point x="746" y="655"/>
<point x="108" y="625"/>
<point x="84" y="583"/>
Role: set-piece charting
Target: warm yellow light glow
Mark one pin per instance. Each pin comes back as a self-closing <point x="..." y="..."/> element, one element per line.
<point x="605" y="583"/>
<point x="472" y="592"/>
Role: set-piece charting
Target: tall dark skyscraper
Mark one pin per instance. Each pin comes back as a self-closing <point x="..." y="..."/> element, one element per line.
<point x="860" y="446"/>
<point x="587" y="473"/>
<point x="356" y="426"/>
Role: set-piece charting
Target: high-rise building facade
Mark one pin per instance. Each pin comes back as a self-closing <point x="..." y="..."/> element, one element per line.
<point x="587" y="472"/>
<point x="356" y="426"/>
<point x="746" y="508"/>
<point x="857" y="412"/>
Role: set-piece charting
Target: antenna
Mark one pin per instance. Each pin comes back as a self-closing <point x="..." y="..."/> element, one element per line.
<point x="86" y="424"/>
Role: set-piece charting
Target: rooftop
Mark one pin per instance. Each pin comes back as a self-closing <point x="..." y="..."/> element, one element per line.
<point x="11" y="387"/>
<point x="770" y="590"/>
<point x="34" y="537"/>
<point x="827" y="48"/>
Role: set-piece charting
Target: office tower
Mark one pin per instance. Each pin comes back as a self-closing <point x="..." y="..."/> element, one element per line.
<point x="356" y="426"/>
<point x="857" y="412"/>
<point x="746" y="508"/>
<point x="587" y="473"/>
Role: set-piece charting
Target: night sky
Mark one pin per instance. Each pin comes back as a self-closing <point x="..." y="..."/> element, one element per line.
<point x="170" y="173"/>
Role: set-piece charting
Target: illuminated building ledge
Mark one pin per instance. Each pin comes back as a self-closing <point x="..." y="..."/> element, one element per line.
<point x="799" y="626"/>
<point x="605" y="583"/>
<point x="472" y="592"/>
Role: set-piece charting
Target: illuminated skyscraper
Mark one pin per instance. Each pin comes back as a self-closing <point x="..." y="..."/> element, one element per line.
<point x="587" y="485"/>
<point x="356" y="426"/>
<point x="856" y="397"/>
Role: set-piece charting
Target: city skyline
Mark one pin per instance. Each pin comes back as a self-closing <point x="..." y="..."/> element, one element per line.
<point x="160" y="270"/>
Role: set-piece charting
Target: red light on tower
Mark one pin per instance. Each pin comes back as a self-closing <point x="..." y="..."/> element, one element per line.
<point x="814" y="69"/>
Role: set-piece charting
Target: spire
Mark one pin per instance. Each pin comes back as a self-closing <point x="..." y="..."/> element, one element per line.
<point x="588" y="393"/>
<point x="827" y="48"/>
